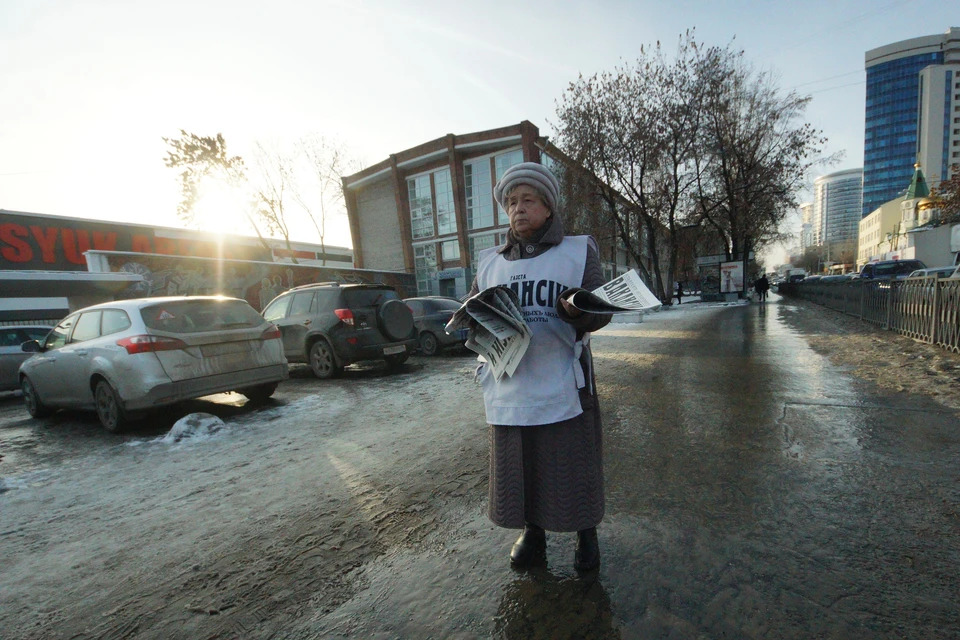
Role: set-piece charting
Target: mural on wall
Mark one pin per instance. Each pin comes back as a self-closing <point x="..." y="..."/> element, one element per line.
<point x="256" y="282"/>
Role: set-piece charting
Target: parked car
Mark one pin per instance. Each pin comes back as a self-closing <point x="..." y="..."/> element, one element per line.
<point x="939" y="272"/>
<point x="890" y="269"/>
<point x="430" y="316"/>
<point x="128" y="356"/>
<point x="330" y="325"/>
<point x="11" y="355"/>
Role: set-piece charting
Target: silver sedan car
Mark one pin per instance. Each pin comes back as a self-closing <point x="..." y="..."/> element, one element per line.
<point x="11" y="355"/>
<point x="122" y="358"/>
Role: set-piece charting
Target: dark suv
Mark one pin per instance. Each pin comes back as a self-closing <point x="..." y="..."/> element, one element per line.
<point x="890" y="269"/>
<point x="330" y="325"/>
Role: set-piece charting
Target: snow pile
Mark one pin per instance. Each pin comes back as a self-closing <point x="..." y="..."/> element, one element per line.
<point x="193" y="427"/>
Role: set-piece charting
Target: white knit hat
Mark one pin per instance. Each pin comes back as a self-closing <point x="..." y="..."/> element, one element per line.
<point x="530" y="173"/>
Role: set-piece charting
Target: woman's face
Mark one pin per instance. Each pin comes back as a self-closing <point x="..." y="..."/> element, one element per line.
<point x="527" y="211"/>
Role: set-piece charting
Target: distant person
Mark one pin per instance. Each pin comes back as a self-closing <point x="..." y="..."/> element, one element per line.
<point x="761" y="286"/>
<point x="679" y="291"/>
<point x="546" y="456"/>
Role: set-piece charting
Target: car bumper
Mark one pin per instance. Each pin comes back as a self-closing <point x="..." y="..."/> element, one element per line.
<point x="348" y="353"/>
<point x="172" y="392"/>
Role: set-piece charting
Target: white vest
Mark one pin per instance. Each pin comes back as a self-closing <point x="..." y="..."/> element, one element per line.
<point x="543" y="389"/>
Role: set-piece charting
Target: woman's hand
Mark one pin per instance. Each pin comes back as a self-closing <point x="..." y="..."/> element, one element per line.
<point x="571" y="310"/>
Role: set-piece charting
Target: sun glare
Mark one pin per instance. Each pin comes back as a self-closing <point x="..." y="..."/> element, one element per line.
<point x="220" y="209"/>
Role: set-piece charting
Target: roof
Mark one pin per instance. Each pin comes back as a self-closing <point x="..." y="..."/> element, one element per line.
<point x="918" y="185"/>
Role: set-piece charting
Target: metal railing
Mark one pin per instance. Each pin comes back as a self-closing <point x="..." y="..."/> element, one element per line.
<point x="925" y="309"/>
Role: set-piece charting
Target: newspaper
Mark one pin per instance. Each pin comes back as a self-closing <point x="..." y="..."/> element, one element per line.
<point x="622" y="294"/>
<point x="499" y="333"/>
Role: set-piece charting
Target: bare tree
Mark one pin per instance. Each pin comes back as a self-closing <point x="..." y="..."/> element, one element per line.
<point x="204" y="159"/>
<point x="755" y="156"/>
<point x="318" y="188"/>
<point x="271" y="188"/>
<point x="948" y="195"/>
<point x="637" y="128"/>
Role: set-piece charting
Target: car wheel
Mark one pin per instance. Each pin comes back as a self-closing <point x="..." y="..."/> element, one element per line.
<point x="261" y="392"/>
<point x="396" y="359"/>
<point x="428" y="344"/>
<point x="395" y="320"/>
<point x="322" y="361"/>
<point x="110" y="409"/>
<point x="31" y="399"/>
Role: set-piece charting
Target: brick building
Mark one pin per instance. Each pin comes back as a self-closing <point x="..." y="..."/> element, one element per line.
<point x="430" y="210"/>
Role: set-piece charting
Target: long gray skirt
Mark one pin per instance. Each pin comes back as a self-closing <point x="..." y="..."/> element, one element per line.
<point x="549" y="475"/>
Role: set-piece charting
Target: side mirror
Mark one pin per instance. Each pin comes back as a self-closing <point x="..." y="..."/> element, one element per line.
<point x="31" y="346"/>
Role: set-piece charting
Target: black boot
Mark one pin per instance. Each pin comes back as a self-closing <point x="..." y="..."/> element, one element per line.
<point x="588" y="550"/>
<point x="530" y="547"/>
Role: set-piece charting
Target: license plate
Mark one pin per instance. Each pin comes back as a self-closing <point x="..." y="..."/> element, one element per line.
<point x="389" y="351"/>
<point x="225" y="348"/>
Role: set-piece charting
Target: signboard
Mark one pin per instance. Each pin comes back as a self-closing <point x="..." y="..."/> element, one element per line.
<point x="55" y="243"/>
<point x="731" y="277"/>
<point x="703" y="261"/>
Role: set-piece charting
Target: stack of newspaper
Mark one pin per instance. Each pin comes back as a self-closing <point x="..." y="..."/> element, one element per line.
<point x="499" y="333"/>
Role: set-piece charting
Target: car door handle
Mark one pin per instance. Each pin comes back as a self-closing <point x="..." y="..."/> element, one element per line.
<point x="82" y="352"/>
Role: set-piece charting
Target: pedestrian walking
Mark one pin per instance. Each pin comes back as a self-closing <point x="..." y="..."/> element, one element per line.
<point x="761" y="286"/>
<point x="546" y="459"/>
<point x="679" y="291"/>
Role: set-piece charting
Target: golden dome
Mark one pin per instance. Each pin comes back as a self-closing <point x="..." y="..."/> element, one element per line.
<point x="927" y="203"/>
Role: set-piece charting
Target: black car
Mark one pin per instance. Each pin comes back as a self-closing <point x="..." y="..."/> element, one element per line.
<point x="430" y="315"/>
<point x="890" y="269"/>
<point x="330" y="325"/>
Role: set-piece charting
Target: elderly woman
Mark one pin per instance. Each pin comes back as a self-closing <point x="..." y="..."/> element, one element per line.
<point x="546" y="459"/>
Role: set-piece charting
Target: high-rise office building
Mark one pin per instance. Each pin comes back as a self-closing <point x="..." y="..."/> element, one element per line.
<point x="912" y="114"/>
<point x="836" y="207"/>
<point x="806" y="226"/>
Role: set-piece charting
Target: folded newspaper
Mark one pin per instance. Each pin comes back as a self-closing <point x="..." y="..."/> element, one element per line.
<point x="499" y="333"/>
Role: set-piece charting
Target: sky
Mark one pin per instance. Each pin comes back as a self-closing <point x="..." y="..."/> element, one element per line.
<point x="89" y="89"/>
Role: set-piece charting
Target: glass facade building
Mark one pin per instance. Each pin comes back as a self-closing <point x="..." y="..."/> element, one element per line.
<point x="837" y="207"/>
<point x="908" y="114"/>
<point x="890" y="127"/>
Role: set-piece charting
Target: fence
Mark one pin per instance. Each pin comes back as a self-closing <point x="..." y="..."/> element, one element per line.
<point x="925" y="309"/>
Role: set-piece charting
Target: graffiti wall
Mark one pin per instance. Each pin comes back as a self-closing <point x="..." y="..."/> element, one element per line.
<point x="256" y="282"/>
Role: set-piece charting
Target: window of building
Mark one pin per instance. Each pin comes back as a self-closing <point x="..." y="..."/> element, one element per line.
<point x="450" y="250"/>
<point x="425" y="265"/>
<point x="478" y="192"/>
<point x="421" y="206"/>
<point x="503" y="162"/>
<point x="479" y="243"/>
<point x="446" y="214"/>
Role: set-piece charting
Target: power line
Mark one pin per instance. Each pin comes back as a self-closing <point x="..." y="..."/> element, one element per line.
<point x="842" y="86"/>
<point x="847" y="23"/>
<point x="842" y="75"/>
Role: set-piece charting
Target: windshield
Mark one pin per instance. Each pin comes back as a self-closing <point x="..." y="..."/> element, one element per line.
<point x="196" y="316"/>
<point x="356" y="298"/>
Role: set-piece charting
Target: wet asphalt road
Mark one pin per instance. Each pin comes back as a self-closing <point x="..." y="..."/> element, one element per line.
<point x="753" y="491"/>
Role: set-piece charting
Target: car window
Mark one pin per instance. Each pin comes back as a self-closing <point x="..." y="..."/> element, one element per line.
<point x="88" y="327"/>
<point x="356" y="298"/>
<point x="302" y="304"/>
<point x="58" y="337"/>
<point x="446" y="305"/>
<point x="277" y="309"/>
<point x="199" y="316"/>
<point x="114" y="321"/>
<point x="327" y="300"/>
<point x="416" y="307"/>
<point x="36" y="333"/>
<point x="10" y="338"/>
